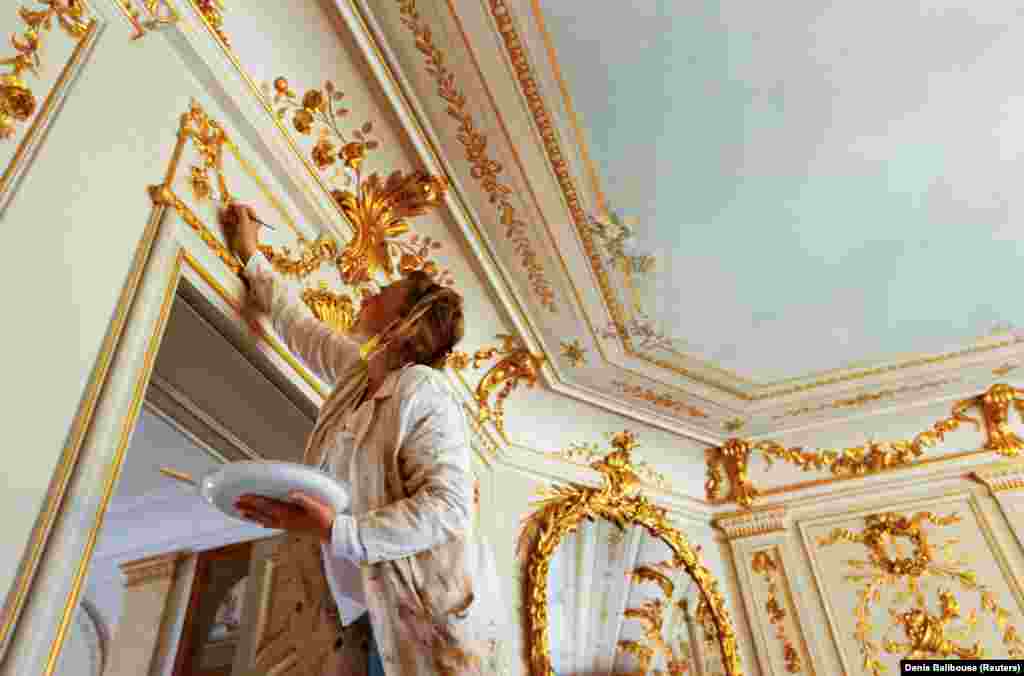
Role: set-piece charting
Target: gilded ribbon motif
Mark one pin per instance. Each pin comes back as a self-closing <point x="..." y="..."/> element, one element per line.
<point x="906" y="577"/>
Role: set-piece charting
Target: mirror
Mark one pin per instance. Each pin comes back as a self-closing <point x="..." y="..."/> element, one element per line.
<point x="610" y="584"/>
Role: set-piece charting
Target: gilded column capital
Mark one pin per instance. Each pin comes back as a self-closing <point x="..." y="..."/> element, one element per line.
<point x="151" y="568"/>
<point x="748" y="524"/>
<point x="1000" y="478"/>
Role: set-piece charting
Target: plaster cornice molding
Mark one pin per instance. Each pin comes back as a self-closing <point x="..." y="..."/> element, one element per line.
<point x="748" y="524"/>
<point x="142" y="571"/>
<point x="1001" y="478"/>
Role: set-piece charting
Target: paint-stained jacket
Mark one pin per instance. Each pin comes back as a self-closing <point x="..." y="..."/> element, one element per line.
<point x="428" y="578"/>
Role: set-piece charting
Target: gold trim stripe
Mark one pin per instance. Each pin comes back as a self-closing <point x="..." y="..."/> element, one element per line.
<point x="79" y="426"/>
<point x="128" y="426"/>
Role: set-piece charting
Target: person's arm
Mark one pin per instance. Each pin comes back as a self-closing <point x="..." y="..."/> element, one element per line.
<point x="325" y="351"/>
<point x="435" y="465"/>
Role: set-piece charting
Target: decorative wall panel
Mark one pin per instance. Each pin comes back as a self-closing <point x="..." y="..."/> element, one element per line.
<point x="50" y="42"/>
<point x="925" y="579"/>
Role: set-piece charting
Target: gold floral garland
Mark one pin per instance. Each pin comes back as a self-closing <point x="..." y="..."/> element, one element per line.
<point x="731" y="458"/>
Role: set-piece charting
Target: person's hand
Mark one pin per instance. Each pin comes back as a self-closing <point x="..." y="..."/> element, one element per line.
<point x="305" y="514"/>
<point x="241" y="229"/>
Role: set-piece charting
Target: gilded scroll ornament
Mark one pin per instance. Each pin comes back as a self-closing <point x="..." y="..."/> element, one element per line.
<point x="574" y="352"/>
<point x="652" y="615"/>
<point x="486" y="170"/>
<point x="767" y="564"/>
<point x="590" y="453"/>
<point x="516" y="366"/>
<point x="17" y="101"/>
<point x="379" y="208"/>
<point x="888" y="567"/>
<point x="733" y="456"/>
<point x="560" y="512"/>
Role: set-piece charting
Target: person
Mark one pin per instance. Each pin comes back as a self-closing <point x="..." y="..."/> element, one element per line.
<point x="398" y="440"/>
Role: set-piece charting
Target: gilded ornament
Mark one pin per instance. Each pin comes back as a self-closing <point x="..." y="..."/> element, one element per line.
<point x="324" y="154"/>
<point x="873" y="457"/>
<point x="575" y="353"/>
<point x="17" y="101"/>
<point x="336" y="310"/>
<point x="378" y="208"/>
<point x="589" y="453"/>
<point x="212" y="12"/>
<point x="199" y="181"/>
<point x="159" y="13"/>
<point x="312" y="256"/>
<point x="516" y="366"/>
<point x="768" y="566"/>
<point x="560" y="512"/>
<point x="926" y="633"/>
<point x="486" y="170"/>
<point x="660" y="400"/>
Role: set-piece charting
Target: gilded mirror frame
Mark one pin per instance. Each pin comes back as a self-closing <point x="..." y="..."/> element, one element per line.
<point x="561" y="511"/>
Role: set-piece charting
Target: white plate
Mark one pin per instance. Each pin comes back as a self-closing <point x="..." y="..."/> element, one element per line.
<point x="276" y="480"/>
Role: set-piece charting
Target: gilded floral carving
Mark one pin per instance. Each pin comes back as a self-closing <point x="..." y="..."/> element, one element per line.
<point x="574" y="352"/>
<point x="379" y="208"/>
<point x="516" y="366"/>
<point x="905" y="577"/>
<point x="18" y="103"/>
<point x="768" y="564"/>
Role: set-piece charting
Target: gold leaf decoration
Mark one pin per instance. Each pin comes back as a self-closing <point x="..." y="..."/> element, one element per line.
<point x="336" y="310"/>
<point x="928" y="635"/>
<point x="486" y="170"/>
<point x="560" y="512"/>
<point x="661" y="400"/>
<point x="516" y="366"/>
<point x="864" y="399"/>
<point x="733" y="455"/>
<point x="575" y="353"/>
<point x="212" y="12"/>
<point x="378" y="208"/>
<point x="766" y="563"/>
<point x="589" y="453"/>
<point x="18" y="104"/>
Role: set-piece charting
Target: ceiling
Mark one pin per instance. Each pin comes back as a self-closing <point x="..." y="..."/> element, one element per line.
<point x="726" y="220"/>
<point x="798" y="175"/>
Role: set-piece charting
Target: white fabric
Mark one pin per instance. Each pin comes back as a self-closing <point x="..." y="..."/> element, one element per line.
<point x="405" y="456"/>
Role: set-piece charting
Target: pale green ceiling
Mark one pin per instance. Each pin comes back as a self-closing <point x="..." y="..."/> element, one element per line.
<point x="823" y="183"/>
